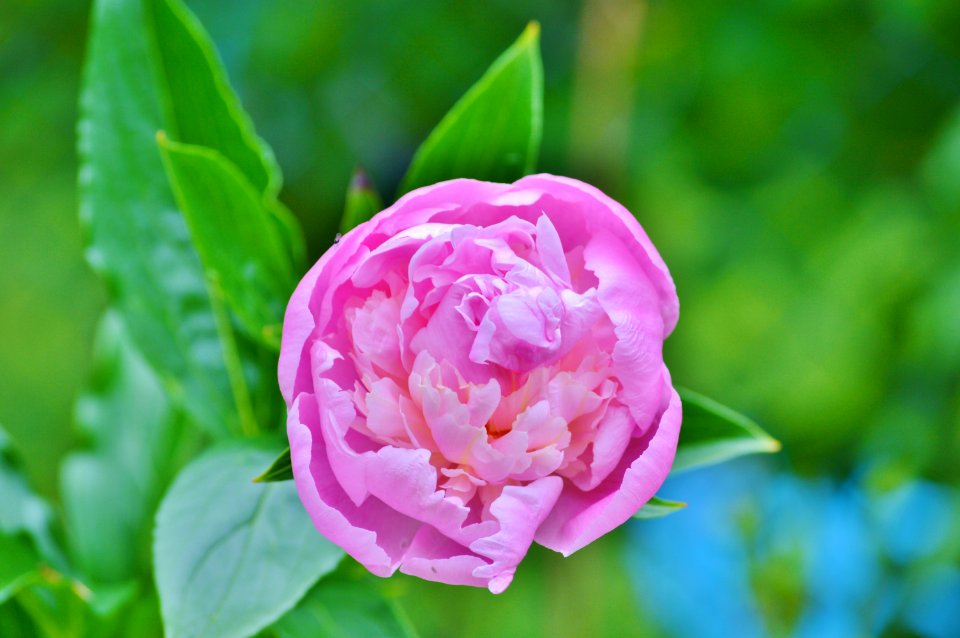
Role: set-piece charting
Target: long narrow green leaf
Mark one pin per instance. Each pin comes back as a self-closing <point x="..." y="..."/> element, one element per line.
<point x="201" y="108"/>
<point x="493" y="132"/>
<point x="137" y="240"/>
<point x="713" y="433"/>
<point x="280" y="470"/>
<point x="658" y="507"/>
<point x="235" y="235"/>
<point x="150" y="67"/>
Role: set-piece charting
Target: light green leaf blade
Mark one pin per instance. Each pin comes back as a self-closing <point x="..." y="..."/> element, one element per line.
<point x="658" y="507"/>
<point x="232" y="556"/>
<point x="493" y="132"/>
<point x="362" y="203"/>
<point x="137" y="441"/>
<point x="22" y="512"/>
<point x="237" y="238"/>
<point x="201" y="107"/>
<point x="280" y="470"/>
<point x="18" y="565"/>
<point x="344" y="607"/>
<point x="137" y="239"/>
<point x="713" y="433"/>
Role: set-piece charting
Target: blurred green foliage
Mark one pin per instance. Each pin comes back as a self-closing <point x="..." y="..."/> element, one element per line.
<point x="797" y="164"/>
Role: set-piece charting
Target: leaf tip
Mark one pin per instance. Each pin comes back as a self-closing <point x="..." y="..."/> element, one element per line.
<point x="532" y="32"/>
<point x="360" y="181"/>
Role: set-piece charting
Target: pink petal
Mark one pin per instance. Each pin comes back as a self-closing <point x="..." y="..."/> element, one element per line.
<point x="610" y="441"/>
<point x="433" y="556"/>
<point x="375" y="535"/>
<point x="588" y="203"/>
<point x="297" y="326"/>
<point x="405" y="480"/>
<point x="630" y="302"/>
<point x="519" y="510"/>
<point x="581" y="517"/>
<point x="550" y="250"/>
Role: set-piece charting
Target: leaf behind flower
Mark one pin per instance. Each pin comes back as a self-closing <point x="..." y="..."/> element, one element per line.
<point x="658" y="507"/>
<point x="280" y="470"/>
<point x="232" y="556"/>
<point x="362" y="202"/>
<point x="493" y="132"/>
<point x="344" y="607"/>
<point x="713" y="433"/>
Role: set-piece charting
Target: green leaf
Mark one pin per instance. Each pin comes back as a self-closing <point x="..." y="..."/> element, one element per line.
<point x="18" y="565"/>
<point x="280" y="470"/>
<point x="200" y="107"/>
<point x="237" y="238"/>
<point x="26" y="538"/>
<point x="713" y="433"/>
<point x="343" y="607"/>
<point x="232" y="556"/>
<point x="493" y="132"/>
<point x="149" y="68"/>
<point x="658" y="507"/>
<point x="137" y="240"/>
<point x="137" y="441"/>
<point x="23" y="513"/>
<point x="14" y="621"/>
<point x="362" y="202"/>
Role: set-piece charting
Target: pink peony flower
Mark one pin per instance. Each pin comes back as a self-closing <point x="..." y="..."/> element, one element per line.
<point x="476" y="368"/>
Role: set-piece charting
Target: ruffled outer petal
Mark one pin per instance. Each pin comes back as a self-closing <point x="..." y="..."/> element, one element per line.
<point x="580" y="517"/>
<point x="373" y="533"/>
<point x="594" y="205"/>
<point x="629" y="300"/>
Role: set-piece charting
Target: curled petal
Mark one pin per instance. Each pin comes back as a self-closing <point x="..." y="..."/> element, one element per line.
<point x="373" y="533"/>
<point x="580" y="517"/>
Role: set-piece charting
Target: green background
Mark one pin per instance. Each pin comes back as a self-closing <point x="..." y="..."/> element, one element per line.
<point x="797" y="164"/>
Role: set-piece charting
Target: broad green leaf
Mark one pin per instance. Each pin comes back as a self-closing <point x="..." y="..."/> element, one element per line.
<point x="713" y="433"/>
<point x="344" y="607"/>
<point x="362" y="202"/>
<point x="149" y="67"/>
<point x="201" y="108"/>
<point x="137" y="240"/>
<point x="658" y="507"/>
<point x="231" y="556"/>
<point x="137" y="441"/>
<point x="238" y="239"/>
<point x="280" y="470"/>
<point x="493" y="132"/>
<point x="18" y="564"/>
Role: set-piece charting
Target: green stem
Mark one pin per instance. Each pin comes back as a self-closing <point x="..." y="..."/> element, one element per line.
<point x="231" y="358"/>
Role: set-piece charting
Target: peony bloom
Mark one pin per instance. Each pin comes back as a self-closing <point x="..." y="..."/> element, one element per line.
<point x="476" y="368"/>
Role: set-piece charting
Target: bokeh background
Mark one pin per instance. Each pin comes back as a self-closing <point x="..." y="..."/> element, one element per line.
<point x="798" y="165"/>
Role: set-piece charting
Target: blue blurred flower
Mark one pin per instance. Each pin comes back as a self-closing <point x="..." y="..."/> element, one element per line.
<point x="761" y="552"/>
